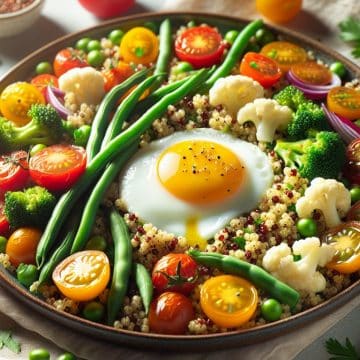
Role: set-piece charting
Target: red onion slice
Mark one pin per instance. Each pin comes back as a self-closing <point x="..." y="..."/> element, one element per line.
<point x="53" y="100"/>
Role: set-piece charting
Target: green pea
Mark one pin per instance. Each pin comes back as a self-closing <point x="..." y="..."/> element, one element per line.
<point x="151" y="26"/>
<point x="66" y="356"/>
<point x="191" y="24"/>
<point x="182" y="66"/>
<point x="115" y="36"/>
<point x="97" y="242"/>
<point x="82" y="44"/>
<point x="68" y="127"/>
<point x="95" y="58"/>
<point x="231" y="35"/>
<point x="271" y="310"/>
<point x="93" y="311"/>
<point x="3" y="241"/>
<point x="44" y="68"/>
<point x="307" y="227"/>
<point x="357" y="122"/>
<point x="264" y="36"/>
<point x="355" y="194"/>
<point x="338" y="68"/>
<point x="93" y="45"/>
<point x="39" y="354"/>
<point x="81" y="135"/>
<point x="36" y="148"/>
<point x="27" y="274"/>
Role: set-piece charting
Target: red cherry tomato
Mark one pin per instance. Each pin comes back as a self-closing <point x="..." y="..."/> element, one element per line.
<point x="14" y="171"/>
<point x="4" y="223"/>
<point x="117" y="75"/>
<point x="170" y="313"/>
<point x="201" y="46"/>
<point x="352" y="167"/>
<point x="175" y="272"/>
<point x="67" y="59"/>
<point x="58" y="167"/>
<point x="260" y="68"/>
<point x="106" y="8"/>
<point x="44" y="80"/>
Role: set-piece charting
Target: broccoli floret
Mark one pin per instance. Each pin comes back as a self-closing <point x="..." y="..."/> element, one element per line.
<point x="31" y="207"/>
<point x="45" y="127"/>
<point x="321" y="156"/>
<point x="292" y="97"/>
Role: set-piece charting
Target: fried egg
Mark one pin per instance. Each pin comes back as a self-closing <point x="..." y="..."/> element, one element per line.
<point x="192" y="183"/>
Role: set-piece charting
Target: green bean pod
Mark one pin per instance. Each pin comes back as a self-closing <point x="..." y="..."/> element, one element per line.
<point x="112" y="149"/>
<point x="234" y="54"/>
<point x="94" y="200"/>
<point x="122" y="264"/>
<point x="144" y="284"/>
<point x="100" y="121"/>
<point x="257" y="275"/>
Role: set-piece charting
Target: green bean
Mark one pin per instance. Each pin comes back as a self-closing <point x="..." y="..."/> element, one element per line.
<point x="122" y="264"/>
<point x="234" y="53"/>
<point x="93" y="203"/>
<point x="144" y="284"/>
<point x="114" y="147"/>
<point x="100" y="121"/>
<point x="125" y="108"/>
<point x="257" y="275"/>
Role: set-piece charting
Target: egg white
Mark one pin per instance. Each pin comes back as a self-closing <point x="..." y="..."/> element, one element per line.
<point x="145" y="196"/>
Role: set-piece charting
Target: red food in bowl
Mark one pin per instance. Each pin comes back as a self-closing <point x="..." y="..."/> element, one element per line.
<point x="106" y="8"/>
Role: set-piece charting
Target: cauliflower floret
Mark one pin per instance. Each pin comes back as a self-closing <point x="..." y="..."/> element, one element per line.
<point x="301" y="274"/>
<point x="234" y="92"/>
<point x="329" y="196"/>
<point x="86" y="83"/>
<point x="267" y="115"/>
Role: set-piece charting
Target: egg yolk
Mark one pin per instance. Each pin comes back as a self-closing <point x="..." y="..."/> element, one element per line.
<point x="200" y="172"/>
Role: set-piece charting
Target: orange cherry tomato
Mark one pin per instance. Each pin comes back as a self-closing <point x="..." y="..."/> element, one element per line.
<point x="346" y="240"/>
<point x="83" y="276"/>
<point x="344" y="101"/>
<point x="67" y="59"/>
<point x="279" y="11"/>
<point x="310" y="72"/>
<point x="229" y="301"/>
<point x="260" y="68"/>
<point x="117" y="75"/>
<point x="139" y="45"/>
<point x="170" y="313"/>
<point x="16" y="100"/>
<point x="284" y="53"/>
<point x="42" y="81"/>
<point x="21" y="245"/>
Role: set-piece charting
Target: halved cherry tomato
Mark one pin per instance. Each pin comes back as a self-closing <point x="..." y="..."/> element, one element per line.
<point x="139" y="45"/>
<point x="260" y="68"/>
<point x="14" y="171"/>
<point x="16" y="100"/>
<point x="4" y="223"/>
<point x="67" y="59"/>
<point x="116" y="75"/>
<point x="170" y="313"/>
<point x="58" y="167"/>
<point x="344" y="101"/>
<point x="201" y="46"/>
<point x="354" y="212"/>
<point x="284" y="53"/>
<point x="21" y="245"/>
<point x="43" y="80"/>
<point x="175" y="272"/>
<point x="352" y="167"/>
<point x="310" y="72"/>
<point x="229" y="301"/>
<point x="83" y="276"/>
<point x="279" y="11"/>
<point x="346" y="240"/>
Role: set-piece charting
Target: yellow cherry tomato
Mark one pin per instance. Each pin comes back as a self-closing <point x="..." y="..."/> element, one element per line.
<point x="229" y="301"/>
<point x="83" y="276"/>
<point x="278" y="11"/>
<point x="284" y="53"/>
<point x="16" y="100"/>
<point x="344" y="101"/>
<point x="139" y="45"/>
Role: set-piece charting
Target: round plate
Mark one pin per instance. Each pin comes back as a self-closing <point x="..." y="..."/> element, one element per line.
<point x="173" y="342"/>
